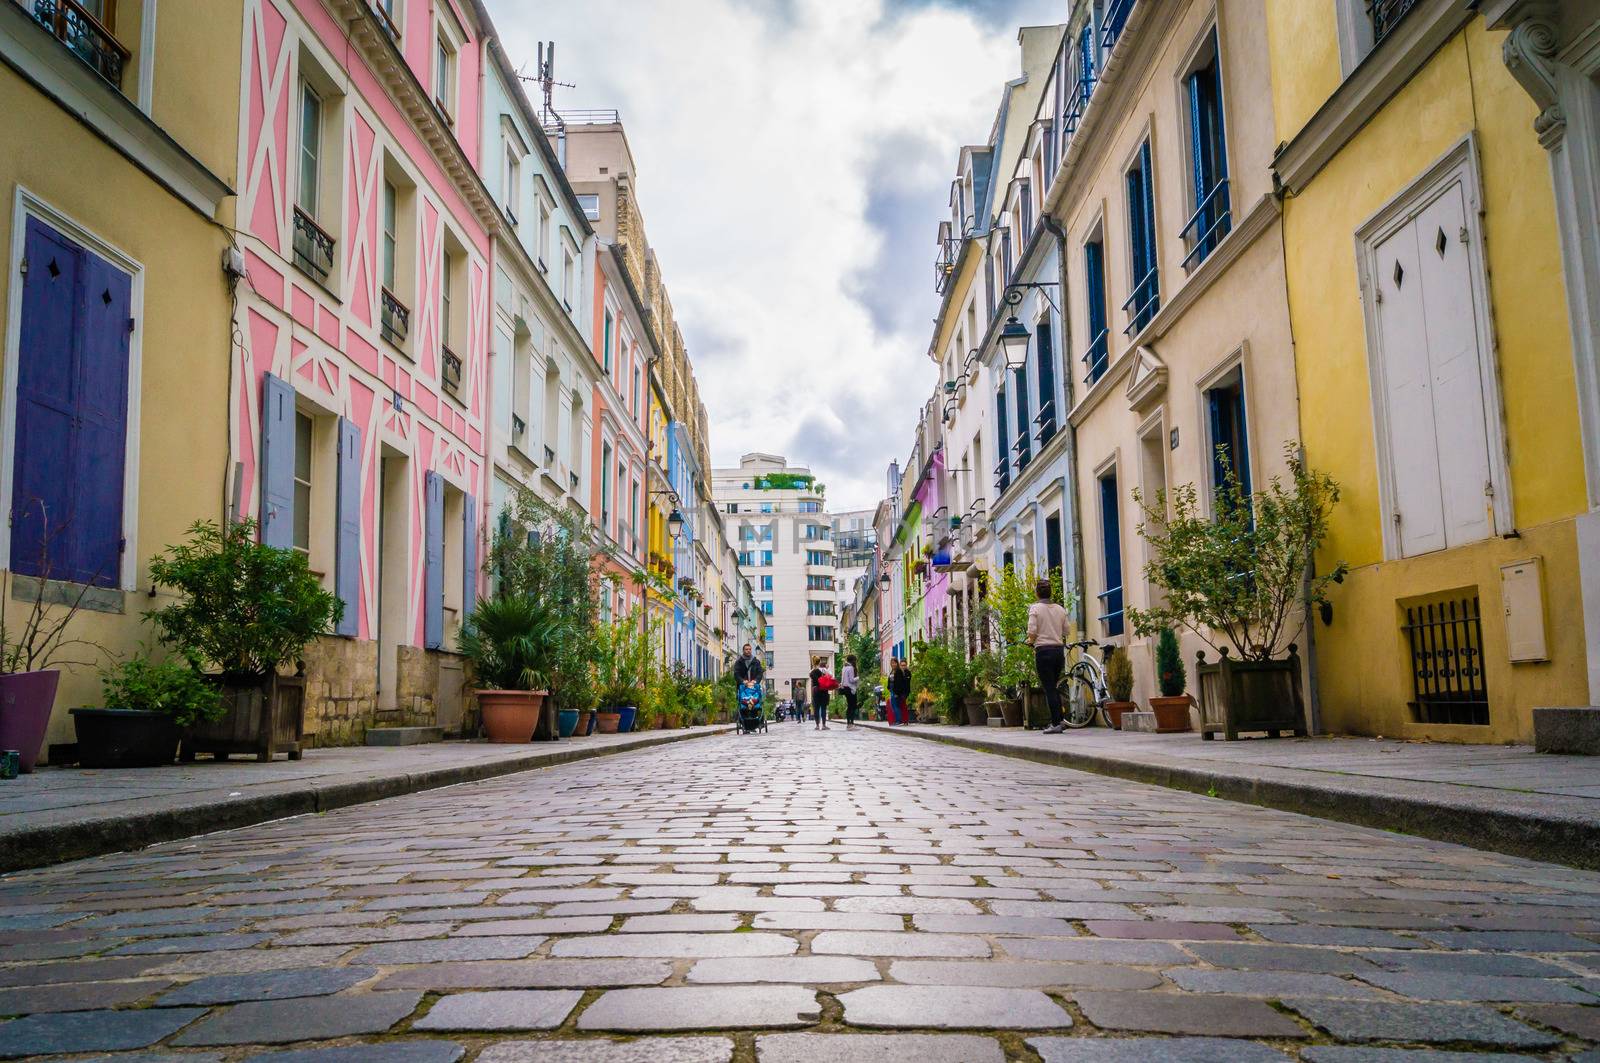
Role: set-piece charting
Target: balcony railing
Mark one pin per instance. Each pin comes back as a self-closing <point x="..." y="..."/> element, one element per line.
<point x="313" y="247"/>
<point x="1211" y="221"/>
<point x="549" y="457"/>
<point x="1112" y="22"/>
<point x="1142" y="305"/>
<point x="1096" y="358"/>
<point x="1002" y="477"/>
<point x="84" y="36"/>
<point x="1111" y="602"/>
<point x="1046" y="420"/>
<point x="1385" y="15"/>
<point x="396" y="320"/>
<point x="519" y="427"/>
<point x="944" y="266"/>
<point x="449" y="369"/>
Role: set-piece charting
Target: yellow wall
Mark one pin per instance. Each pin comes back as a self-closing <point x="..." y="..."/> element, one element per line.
<point x="1463" y="88"/>
<point x="183" y="323"/>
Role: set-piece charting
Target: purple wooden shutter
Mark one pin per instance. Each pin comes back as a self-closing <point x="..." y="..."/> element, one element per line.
<point x="469" y="557"/>
<point x="72" y="403"/>
<point x="347" y="542"/>
<point x="433" y="574"/>
<point x="277" y="462"/>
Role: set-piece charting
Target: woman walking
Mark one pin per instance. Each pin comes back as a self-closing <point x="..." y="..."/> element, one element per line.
<point x="899" y="691"/>
<point x="847" y="683"/>
<point x="1047" y="630"/>
<point x="819" y="691"/>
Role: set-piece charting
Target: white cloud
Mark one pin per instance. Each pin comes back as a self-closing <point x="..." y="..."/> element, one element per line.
<point x="793" y="159"/>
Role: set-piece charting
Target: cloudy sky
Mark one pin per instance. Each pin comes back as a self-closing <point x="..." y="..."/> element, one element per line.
<point x="793" y="158"/>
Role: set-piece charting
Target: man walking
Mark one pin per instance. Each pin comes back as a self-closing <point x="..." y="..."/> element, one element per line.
<point x="1047" y="630"/>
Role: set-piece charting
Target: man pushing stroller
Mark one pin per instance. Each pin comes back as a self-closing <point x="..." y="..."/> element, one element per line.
<point x="748" y="672"/>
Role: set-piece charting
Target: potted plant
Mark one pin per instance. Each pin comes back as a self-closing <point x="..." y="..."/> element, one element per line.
<point x="148" y="703"/>
<point x="621" y="670"/>
<point x="1172" y="707"/>
<point x="243" y="609"/>
<point x="511" y="642"/>
<point x="1119" y="685"/>
<point x="1242" y="576"/>
<point x="31" y="653"/>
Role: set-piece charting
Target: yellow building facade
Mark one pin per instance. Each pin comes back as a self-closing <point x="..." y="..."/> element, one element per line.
<point x="117" y="179"/>
<point x="1436" y="370"/>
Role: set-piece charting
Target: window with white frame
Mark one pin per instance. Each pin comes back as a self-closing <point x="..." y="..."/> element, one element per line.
<point x="511" y="180"/>
<point x="590" y="203"/>
<point x="569" y="271"/>
<point x="444" y="71"/>
<point x="542" y="248"/>
<point x="1440" y="441"/>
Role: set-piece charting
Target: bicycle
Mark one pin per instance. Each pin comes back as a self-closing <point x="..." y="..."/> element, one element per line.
<point x="1083" y="687"/>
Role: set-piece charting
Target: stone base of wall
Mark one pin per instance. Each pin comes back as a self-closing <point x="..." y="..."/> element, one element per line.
<point x="342" y="692"/>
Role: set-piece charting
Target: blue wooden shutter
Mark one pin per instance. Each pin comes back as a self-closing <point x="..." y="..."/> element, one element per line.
<point x="1002" y="471"/>
<point x="1047" y="383"/>
<point x="1021" y="388"/>
<point x="1111" y="546"/>
<point x="347" y="542"/>
<point x="433" y="574"/>
<point x="101" y="444"/>
<point x="469" y="556"/>
<point x="277" y="462"/>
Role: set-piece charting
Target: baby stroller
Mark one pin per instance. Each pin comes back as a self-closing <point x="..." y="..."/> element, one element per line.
<point x="751" y="718"/>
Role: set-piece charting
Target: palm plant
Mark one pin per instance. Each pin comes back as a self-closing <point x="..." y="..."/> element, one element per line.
<point x="513" y="643"/>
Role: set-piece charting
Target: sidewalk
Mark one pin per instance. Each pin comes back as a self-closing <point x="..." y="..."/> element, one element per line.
<point x="59" y="814"/>
<point x="1505" y="798"/>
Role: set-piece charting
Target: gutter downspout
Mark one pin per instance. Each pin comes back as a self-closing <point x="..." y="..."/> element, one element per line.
<point x="1079" y="616"/>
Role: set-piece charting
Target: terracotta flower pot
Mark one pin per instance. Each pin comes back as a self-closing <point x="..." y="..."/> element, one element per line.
<point x="585" y="723"/>
<point x="609" y="722"/>
<point x="26" y="699"/>
<point x="1115" y="709"/>
<point x="511" y="716"/>
<point x="1172" y="714"/>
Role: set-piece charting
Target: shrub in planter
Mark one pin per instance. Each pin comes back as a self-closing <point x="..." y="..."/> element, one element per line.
<point x="511" y="643"/>
<point x="243" y="609"/>
<point x="148" y="703"/>
<point x="1242" y="575"/>
<point x="1119" y="685"/>
<point x="1172" y="707"/>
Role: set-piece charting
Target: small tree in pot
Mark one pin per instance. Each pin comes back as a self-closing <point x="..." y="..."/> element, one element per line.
<point x="1172" y="707"/>
<point x="1242" y="576"/>
<point x="1119" y="685"/>
<point x="243" y="609"/>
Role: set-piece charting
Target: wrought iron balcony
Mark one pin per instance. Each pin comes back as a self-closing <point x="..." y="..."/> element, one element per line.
<point x="1096" y="358"/>
<point x="1210" y="222"/>
<point x="84" y="35"/>
<point x="549" y="457"/>
<point x="1112" y="21"/>
<point x="519" y="427"/>
<point x="1111" y="602"/>
<point x="395" y="323"/>
<point x="1002" y="477"/>
<point x="380" y="8"/>
<point x="1385" y="15"/>
<point x="1046" y="420"/>
<point x="313" y="247"/>
<point x="944" y="266"/>
<point x="1142" y="305"/>
<point x="449" y="369"/>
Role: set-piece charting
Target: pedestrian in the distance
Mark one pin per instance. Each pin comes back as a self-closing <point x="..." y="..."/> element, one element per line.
<point x="821" y="682"/>
<point x="1047" y="633"/>
<point x="899" y="691"/>
<point x="847" y="684"/>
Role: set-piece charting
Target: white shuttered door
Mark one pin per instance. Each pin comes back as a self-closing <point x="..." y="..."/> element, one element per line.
<point x="1433" y="383"/>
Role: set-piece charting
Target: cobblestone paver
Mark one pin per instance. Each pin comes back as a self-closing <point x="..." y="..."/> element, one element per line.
<point x="801" y="896"/>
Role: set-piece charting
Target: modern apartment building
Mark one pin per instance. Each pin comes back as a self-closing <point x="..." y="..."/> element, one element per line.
<point x="775" y="517"/>
<point x="855" y="544"/>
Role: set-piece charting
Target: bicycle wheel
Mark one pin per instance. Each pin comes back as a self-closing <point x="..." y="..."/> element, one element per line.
<point x="1078" y="700"/>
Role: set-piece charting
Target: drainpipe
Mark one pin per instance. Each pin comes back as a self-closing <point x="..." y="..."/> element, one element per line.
<point x="1079" y="613"/>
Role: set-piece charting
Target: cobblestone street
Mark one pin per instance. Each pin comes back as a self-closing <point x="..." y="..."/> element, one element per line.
<point x="802" y="896"/>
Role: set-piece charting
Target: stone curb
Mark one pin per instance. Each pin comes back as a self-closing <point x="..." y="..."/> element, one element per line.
<point x="1517" y="832"/>
<point x="58" y="843"/>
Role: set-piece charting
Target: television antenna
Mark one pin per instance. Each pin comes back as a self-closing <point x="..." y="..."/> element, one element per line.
<point x="546" y="80"/>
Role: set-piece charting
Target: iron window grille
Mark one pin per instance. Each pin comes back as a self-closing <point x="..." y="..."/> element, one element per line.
<point x="1447" y="680"/>
<point x="1385" y="15"/>
<point x="395" y="323"/>
<point x="449" y="370"/>
<point x="313" y="247"/>
<point x="84" y="35"/>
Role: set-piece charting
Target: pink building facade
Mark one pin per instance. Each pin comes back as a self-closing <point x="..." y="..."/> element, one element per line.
<point x="360" y="405"/>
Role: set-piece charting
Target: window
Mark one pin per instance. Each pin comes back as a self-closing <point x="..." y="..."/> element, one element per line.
<point x="766" y="507"/>
<point x="766" y="559"/>
<point x="1230" y="439"/>
<point x="1208" y="157"/>
<point x="768" y="654"/>
<point x="511" y="192"/>
<point x="1046" y="419"/>
<point x="302" y="483"/>
<point x="590" y="205"/>
<point x="388" y="14"/>
<point x="816" y="608"/>
<point x="1002" y="471"/>
<point x="69" y="435"/>
<point x="766" y="583"/>
<point x="1111" y="619"/>
<point x="768" y="638"/>
<point x="1144" y="297"/>
<point x="1440" y="450"/>
<point x="819" y="583"/>
<point x="818" y="633"/>
<point x="1098" y="357"/>
<point x="310" y="150"/>
<point x="817" y="557"/>
<point x="605" y="487"/>
<point x="569" y="276"/>
<point x="634" y="397"/>
<point x="1023" y="450"/>
<point x="810" y="507"/>
<point x="444" y="75"/>
<point x="766" y="606"/>
<point x="1363" y="24"/>
<point x="391" y="232"/>
<point x="543" y="246"/>
<point x="605" y="348"/>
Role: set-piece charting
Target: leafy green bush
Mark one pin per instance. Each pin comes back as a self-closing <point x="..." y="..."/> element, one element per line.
<point x="244" y="607"/>
<point x="1170" y="674"/>
<point x="175" y="688"/>
<point x="513" y="643"/>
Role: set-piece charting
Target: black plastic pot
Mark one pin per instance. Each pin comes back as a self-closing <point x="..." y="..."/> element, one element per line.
<point x="124" y="738"/>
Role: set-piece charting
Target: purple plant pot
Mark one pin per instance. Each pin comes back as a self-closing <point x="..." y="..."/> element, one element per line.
<point x="26" y="699"/>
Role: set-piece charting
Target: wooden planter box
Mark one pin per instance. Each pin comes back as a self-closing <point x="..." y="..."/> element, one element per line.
<point x="1240" y="696"/>
<point x="264" y="720"/>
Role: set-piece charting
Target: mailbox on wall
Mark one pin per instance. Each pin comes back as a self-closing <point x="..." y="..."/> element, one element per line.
<point x="1522" y="594"/>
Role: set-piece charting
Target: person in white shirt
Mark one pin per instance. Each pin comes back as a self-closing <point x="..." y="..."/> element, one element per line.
<point x="847" y="683"/>
<point x="1047" y="631"/>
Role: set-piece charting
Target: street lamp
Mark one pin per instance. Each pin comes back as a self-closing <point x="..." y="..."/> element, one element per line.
<point x="1014" y="343"/>
<point x="883" y="583"/>
<point x="675" y="523"/>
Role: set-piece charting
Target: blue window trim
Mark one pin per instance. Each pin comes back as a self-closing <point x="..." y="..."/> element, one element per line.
<point x="1111" y="615"/>
<point x="1098" y="357"/>
<point x="1144" y="298"/>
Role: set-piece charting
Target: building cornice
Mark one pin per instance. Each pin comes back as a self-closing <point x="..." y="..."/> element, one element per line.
<point x="47" y="64"/>
<point x="1375" y="80"/>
